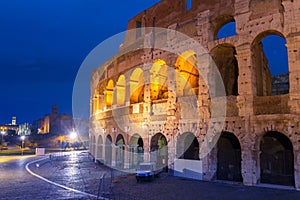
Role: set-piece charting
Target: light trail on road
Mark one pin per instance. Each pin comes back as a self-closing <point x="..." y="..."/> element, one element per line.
<point x="56" y="184"/>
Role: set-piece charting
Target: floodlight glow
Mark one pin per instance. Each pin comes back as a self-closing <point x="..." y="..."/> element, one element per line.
<point x="73" y="135"/>
<point x="23" y="137"/>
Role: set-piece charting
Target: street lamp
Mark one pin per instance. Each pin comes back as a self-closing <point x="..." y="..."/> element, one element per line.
<point x="22" y="146"/>
<point x="73" y="135"/>
<point x="2" y="133"/>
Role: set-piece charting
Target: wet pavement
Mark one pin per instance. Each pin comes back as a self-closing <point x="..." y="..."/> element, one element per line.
<point x="75" y="176"/>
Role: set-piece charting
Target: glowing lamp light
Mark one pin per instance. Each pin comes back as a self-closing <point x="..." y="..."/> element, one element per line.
<point x="22" y="137"/>
<point x="73" y="135"/>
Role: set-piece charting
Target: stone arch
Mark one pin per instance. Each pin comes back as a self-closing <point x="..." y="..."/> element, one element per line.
<point x="120" y="151"/>
<point x="159" y="150"/>
<point x="276" y="159"/>
<point x="108" y="150"/>
<point x="136" y="149"/>
<point x="187" y="76"/>
<point x="109" y="94"/>
<point x="99" y="153"/>
<point x="268" y="83"/>
<point x="227" y="30"/>
<point x="93" y="145"/>
<point x="159" y="80"/>
<point x="121" y="90"/>
<point x="224" y="56"/>
<point x="229" y="158"/>
<point x="219" y="22"/>
<point x="187" y="147"/>
<point x="137" y="86"/>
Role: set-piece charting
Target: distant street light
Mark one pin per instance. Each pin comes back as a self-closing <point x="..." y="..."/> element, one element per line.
<point x="22" y="146"/>
<point x="73" y="135"/>
<point x="2" y="133"/>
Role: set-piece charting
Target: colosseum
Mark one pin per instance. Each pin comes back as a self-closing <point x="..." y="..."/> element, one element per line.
<point x="160" y="99"/>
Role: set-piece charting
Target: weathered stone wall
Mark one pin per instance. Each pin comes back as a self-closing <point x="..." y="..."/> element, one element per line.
<point x="251" y="110"/>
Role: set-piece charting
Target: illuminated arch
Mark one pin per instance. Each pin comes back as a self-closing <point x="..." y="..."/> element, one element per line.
<point x="187" y="78"/>
<point x="120" y="150"/>
<point x="108" y="150"/>
<point x="99" y="147"/>
<point x="137" y="86"/>
<point x="159" y="150"/>
<point x="121" y="91"/>
<point x="93" y="145"/>
<point x="159" y="80"/>
<point x="109" y="93"/>
<point x="136" y="149"/>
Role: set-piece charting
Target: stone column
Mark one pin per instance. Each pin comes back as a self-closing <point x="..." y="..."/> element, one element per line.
<point x="296" y="146"/>
<point x="146" y="149"/>
<point x="127" y="89"/>
<point x="147" y="93"/>
<point x="113" y="154"/>
<point x="114" y="102"/>
<point x="171" y="109"/>
<point x="126" y="157"/>
<point x="293" y="46"/>
<point x="250" y="157"/>
<point x="246" y="80"/>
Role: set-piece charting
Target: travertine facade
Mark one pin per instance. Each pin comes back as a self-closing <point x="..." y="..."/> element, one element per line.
<point x="138" y="99"/>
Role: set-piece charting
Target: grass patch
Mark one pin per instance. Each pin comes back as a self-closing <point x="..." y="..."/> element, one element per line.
<point x="17" y="152"/>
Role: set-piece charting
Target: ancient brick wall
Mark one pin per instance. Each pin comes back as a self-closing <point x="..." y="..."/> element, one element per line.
<point x="253" y="115"/>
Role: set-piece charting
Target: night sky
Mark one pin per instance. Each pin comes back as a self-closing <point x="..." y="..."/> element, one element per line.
<point x="43" y="44"/>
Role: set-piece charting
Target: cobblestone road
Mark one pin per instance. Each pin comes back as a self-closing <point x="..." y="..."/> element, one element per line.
<point x="77" y="171"/>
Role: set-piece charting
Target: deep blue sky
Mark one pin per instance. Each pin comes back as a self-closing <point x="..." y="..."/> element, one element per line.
<point x="42" y="45"/>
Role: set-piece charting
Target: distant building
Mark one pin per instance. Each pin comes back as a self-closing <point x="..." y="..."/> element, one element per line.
<point x="53" y="123"/>
<point x="10" y="129"/>
<point x="24" y="129"/>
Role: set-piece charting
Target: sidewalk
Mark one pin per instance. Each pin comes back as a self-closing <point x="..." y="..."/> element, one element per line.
<point x="78" y="171"/>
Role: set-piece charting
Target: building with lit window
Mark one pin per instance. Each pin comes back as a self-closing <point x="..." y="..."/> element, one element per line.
<point x="54" y="123"/>
<point x="157" y="104"/>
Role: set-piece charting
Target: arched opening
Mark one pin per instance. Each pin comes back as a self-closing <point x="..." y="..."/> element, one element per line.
<point x="188" y="147"/>
<point x="93" y="145"/>
<point x="229" y="158"/>
<point x="120" y="151"/>
<point x="276" y="159"/>
<point x="223" y="26"/>
<point x="136" y="149"/>
<point x="121" y="91"/>
<point x="224" y="58"/>
<point x="109" y="94"/>
<point x="187" y="76"/>
<point x="108" y="150"/>
<point x="137" y="86"/>
<point x="189" y="4"/>
<point x="159" y="150"/>
<point x="269" y="56"/>
<point x="99" y="148"/>
<point x="158" y="81"/>
<point x="227" y="30"/>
